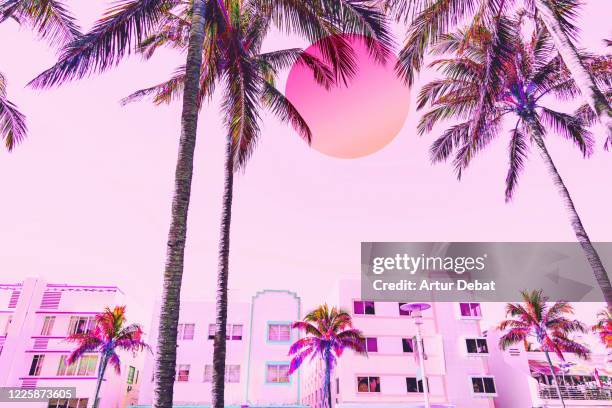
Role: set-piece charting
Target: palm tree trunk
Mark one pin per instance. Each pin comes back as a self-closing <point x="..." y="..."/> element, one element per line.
<point x="101" y="371"/>
<point x="584" y="80"/>
<point x="165" y="364"/>
<point x="327" y="391"/>
<point x="552" y="370"/>
<point x="218" y="386"/>
<point x="601" y="276"/>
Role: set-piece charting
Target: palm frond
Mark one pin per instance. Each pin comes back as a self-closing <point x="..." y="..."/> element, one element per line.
<point x="117" y="34"/>
<point x="426" y="29"/>
<point x="13" y="127"/>
<point x="570" y="127"/>
<point x="287" y="58"/>
<point x="518" y="154"/>
<point x="285" y="111"/>
<point x="49" y="18"/>
<point x="241" y="106"/>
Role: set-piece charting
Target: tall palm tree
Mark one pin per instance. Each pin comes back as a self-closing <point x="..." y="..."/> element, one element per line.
<point x="232" y="57"/>
<point x="110" y="334"/>
<point x="547" y="324"/>
<point x="124" y="28"/>
<point x="495" y="77"/>
<point x="429" y="21"/>
<point x="603" y="327"/>
<point x="329" y="331"/>
<point x="53" y="23"/>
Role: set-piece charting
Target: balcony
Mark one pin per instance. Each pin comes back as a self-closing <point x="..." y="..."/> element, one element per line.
<point x="578" y="393"/>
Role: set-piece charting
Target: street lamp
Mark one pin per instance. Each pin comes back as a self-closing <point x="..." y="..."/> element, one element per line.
<point x="416" y="313"/>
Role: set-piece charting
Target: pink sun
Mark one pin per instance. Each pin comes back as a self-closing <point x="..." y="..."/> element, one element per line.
<point x="355" y="120"/>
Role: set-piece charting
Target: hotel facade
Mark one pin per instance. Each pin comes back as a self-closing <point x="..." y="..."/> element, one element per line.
<point x="259" y="334"/>
<point x="455" y="357"/>
<point x="35" y="319"/>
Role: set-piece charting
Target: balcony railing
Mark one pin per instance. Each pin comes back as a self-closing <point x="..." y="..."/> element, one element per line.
<point x="575" y="393"/>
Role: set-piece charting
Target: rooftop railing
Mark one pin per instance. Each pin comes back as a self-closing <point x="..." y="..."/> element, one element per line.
<point x="575" y="393"/>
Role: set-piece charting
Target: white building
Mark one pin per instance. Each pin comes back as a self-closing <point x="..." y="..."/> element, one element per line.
<point x="35" y="319"/>
<point x="456" y="366"/>
<point x="258" y="340"/>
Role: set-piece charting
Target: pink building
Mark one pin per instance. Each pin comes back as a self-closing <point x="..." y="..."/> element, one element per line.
<point x="525" y="380"/>
<point x="456" y="365"/>
<point x="35" y="318"/>
<point x="259" y="335"/>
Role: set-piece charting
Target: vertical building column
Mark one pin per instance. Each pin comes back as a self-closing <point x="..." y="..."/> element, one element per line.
<point x="13" y="360"/>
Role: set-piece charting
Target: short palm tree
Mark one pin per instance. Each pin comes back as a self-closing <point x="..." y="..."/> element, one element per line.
<point x="124" y="28"/>
<point x="525" y="74"/>
<point x="52" y="21"/>
<point x="603" y="327"/>
<point x="329" y="331"/>
<point x="547" y="324"/>
<point x="110" y="335"/>
<point x="429" y="21"/>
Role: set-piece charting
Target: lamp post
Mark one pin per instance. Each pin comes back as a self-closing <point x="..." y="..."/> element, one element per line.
<point x="416" y="313"/>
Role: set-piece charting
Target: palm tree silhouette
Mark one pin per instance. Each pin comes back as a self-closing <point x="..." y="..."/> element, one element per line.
<point x="109" y="335"/>
<point x="123" y="29"/>
<point x="329" y="331"/>
<point x="548" y="325"/>
<point x="523" y="73"/>
<point x="53" y="23"/>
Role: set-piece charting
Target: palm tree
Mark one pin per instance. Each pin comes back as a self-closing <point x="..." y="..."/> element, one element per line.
<point x="110" y="334"/>
<point x="429" y="21"/>
<point x="547" y="324"/>
<point x="232" y="57"/>
<point x="603" y="327"/>
<point x="328" y="333"/>
<point x="520" y="75"/>
<point x="124" y="28"/>
<point x="51" y="20"/>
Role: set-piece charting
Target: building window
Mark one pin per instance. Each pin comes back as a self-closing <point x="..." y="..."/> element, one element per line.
<point x="403" y="312"/>
<point x="185" y="331"/>
<point x="414" y="385"/>
<point x="407" y="346"/>
<point x="483" y="385"/>
<point x="232" y="331"/>
<point x="363" y="307"/>
<point x="68" y="403"/>
<point x="208" y="373"/>
<point x="37" y="361"/>
<point x="477" y="346"/>
<point x="182" y="374"/>
<point x="277" y="373"/>
<point x="279" y="332"/>
<point x="9" y="319"/>
<point x="130" y="376"/>
<point x="81" y="324"/>
<point x="47" y="326"/>
<point x="371" y="344"/>
<point x="470" y="310"/>
<point x="232" y="373"/>
<point x="87" y="365"/>
<point x="84" y="366"/>
<point x="368" y="384"/>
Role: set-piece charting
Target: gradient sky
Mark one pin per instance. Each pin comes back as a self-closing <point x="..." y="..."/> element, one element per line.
<point x="86" y="199"/>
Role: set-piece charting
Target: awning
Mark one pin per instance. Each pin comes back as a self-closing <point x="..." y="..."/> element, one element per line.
<point x="577" y="368"/>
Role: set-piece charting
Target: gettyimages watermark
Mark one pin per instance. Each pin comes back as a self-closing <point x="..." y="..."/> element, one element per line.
<point x="478" y="271"/>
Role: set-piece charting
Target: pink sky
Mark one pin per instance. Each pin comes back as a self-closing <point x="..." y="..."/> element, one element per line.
<point x="87" y="197"/>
